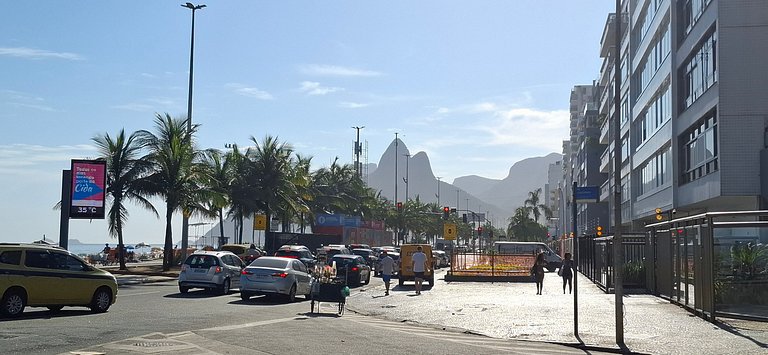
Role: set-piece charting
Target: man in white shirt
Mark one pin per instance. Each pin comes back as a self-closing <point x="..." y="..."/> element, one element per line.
<point x="387" y="266"/>
<point x="419" y="260"/>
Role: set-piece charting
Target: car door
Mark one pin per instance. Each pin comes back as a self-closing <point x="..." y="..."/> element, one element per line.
<point x="44" y="282"/>
<point x="302" y="277"/>
<point x="233" y="266"/>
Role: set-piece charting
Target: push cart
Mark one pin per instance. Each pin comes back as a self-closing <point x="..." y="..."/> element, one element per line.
<point x="328" y="292"/>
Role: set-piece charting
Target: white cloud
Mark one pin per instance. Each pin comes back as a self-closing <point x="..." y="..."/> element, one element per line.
<point x="335" y="70"/>
<point x="27" y="159"/>
<point x="31" y="53"/>
<point x="346" y="104"/>
<point x="529" y="127"/>
<point x="314" y="88"/>
<point x="256" y="93"/>
<point x="134" y="107"/>
<point x="21" y="99"/>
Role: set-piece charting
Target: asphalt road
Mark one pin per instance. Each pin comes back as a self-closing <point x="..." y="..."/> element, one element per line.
<point x="156" y="318"/>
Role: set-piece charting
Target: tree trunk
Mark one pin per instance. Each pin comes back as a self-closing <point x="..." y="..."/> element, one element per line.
<point x="221" y="224"/>
<point x="168" y="250"/>
<point x="120" y="247"/>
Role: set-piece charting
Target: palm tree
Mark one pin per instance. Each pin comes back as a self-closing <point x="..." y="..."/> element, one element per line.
<point x="172" y="153"/>
<point x="272" y="178"/>
<point x="126" y="175"/>
<point x="537" y="208"/>
<point x="217" y="178"/>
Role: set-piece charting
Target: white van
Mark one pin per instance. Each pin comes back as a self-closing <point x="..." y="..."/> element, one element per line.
<point x="554" y="261"/>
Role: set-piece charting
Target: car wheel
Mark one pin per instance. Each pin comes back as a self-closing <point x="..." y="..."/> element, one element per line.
<point x="183" y="289"/>
<point x="54" y="309"/>
<point x="368" y="278"/>
<point x="13" y="304"/>
<point x="224" y="288"/>
<point x="101" y="301"/>
<point x="400" y="281"/>
<point x="245" y="296"/>
<point x="291" y="297"/>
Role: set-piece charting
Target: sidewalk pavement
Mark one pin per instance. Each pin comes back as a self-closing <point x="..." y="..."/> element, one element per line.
<point x="514" y="311"/>
<point x="141" y="272"/>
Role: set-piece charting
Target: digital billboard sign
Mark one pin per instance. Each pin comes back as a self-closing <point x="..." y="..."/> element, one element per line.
<point x="89" y="183"/>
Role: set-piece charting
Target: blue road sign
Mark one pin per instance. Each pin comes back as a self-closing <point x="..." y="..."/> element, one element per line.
<point x="587" y="194"/>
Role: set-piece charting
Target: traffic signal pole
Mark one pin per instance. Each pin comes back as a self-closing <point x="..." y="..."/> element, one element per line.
<point x="575" y="266"/>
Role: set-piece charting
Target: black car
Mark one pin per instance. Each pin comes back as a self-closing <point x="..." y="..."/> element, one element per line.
<point x="368" y="255"/>
<point x="351" y="268"/>
<point x="297" y="252"/>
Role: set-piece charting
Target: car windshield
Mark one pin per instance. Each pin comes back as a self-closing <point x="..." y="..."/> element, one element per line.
<point x="288" y="253"/>
<point x="342" y="262"/>
<point x="201" y="261"/>
<point x="270" y="263"/>
<point x="361" y="252"/>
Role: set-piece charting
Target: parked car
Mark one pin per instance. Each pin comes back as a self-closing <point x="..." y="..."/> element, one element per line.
<point x="369" y="256"/>
<point x="359" y="246"/>
<point x="441" y="258"/>
<point x="212" y="270"/>
<point x="38" y="275"/>
<point x="352" y="268"/>
<point x="299" y="252"/>
<point x="244" y="251"/>
<point x="272" y="275"/>
<point x="329" y="251"/>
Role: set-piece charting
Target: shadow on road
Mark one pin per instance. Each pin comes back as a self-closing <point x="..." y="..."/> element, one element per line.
<point x="41" y="313"/>
<point x="196" y="294"/>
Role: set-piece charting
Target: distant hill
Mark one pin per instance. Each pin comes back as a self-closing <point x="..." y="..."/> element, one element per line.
<point x="498" y="197"/>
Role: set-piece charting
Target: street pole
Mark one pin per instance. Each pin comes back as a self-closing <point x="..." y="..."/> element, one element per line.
<point x="185" y="215"/>
<point x="575" y="267"/>
<point x="618" y="246"/>
<point x="397" y="232"/>
<point x="407" y="176"/>
<point x="438" y="191"/>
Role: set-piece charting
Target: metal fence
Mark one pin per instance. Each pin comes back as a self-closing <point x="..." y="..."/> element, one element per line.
<point x="595" y="261"/>
<point x="713" y="264"/>
<point x="490" y="264"/>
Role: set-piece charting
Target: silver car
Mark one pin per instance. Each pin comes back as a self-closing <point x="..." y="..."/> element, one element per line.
<point x="212" y="270"/>
<point x="272" y="275"/>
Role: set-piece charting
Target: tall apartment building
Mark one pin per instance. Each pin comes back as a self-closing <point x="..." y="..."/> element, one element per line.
<point x="694" y="112"/>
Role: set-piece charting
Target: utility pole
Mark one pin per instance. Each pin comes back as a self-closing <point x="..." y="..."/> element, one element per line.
<point x="405" y="179"/>
<point x="618" y="246"/>
<point x="438" y="191"/>
<point x="397" y="232"/>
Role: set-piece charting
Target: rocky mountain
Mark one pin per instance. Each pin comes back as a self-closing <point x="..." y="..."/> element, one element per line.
<point x="510" y="192"/>
<point x="497" y="197"/>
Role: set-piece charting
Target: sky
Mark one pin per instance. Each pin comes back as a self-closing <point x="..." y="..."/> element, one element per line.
<point x="477" y="85"/>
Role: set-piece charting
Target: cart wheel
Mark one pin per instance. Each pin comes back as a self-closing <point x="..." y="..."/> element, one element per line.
<point x="312" y="305"/>
<point x="341" y="307"/>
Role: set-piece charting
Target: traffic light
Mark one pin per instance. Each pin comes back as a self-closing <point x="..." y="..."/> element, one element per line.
<point x="446" y="212"/>
<point x="599" y="230"/>
<point x="659" y="214"/>
<point x="399" y="206"/>
<point x="480" y="231"/>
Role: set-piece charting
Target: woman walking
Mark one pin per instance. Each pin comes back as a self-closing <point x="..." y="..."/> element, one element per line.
<point x="566" y="272"/>
<point x="538" y="272"/>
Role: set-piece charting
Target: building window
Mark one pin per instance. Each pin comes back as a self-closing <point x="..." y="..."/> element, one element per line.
<point x="652" y="61"/>
<point x="690" y="11"/>
<point x="656" y="172"/>
<point x="700" y="150"/>
<point x="699" y="72"/>
<point x="655" y="115"/>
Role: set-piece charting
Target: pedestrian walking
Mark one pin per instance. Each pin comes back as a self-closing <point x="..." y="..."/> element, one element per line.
<point x="387" y="266"/>
<point x="566" y="272"/>
<point x="419" y="260"/>
<point x="537" y="271"/>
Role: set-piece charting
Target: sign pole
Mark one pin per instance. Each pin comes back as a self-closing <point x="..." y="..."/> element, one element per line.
<point x="66" y="201"/>
<point x="575" y="267"/>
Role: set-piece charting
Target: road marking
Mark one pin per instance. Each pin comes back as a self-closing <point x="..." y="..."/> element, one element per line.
<point x="249" y="325"/>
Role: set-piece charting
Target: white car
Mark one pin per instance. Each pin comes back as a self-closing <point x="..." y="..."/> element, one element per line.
<point x="272" y="275"/>
<point x="212" y="270"/>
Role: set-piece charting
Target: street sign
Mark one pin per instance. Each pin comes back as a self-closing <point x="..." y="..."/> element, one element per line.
<point x="259" y="222"/>
<point x="449" y="231"/>
<point x="88" y="187"/>
<point x="587" y="194"/>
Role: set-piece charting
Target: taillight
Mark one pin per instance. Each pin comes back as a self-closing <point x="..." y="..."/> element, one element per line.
<point x="245" y="272"/>
<point x="280" y="274"/>
<point x="354" y="268"/>
<point x="218" y="269"/>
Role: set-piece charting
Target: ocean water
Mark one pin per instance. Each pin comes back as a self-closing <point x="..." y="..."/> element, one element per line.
<point x="88" y="249"/>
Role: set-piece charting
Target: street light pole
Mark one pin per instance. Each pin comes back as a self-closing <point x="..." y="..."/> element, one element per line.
<point x="185" y="215"/>
<point x="397" y="231"/>
<point x="407" y="163"/>
<point x="438" y="191"/>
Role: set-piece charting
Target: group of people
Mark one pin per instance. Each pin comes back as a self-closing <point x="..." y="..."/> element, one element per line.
<point x="565" y="271"/>
<point x="419" y="263"/>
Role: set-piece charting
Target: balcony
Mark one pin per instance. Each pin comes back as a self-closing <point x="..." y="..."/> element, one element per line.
<point x="604" y="131"/>
<point x="605" y="190"/>
<point x="606" y="160"/>
<point x="608" y="39"/>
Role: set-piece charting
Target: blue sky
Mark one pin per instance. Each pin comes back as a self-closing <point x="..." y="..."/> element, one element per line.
<point x="477" y="85"/>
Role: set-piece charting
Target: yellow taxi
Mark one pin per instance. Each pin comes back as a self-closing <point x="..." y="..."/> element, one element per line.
<point x="37" y="275"/>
